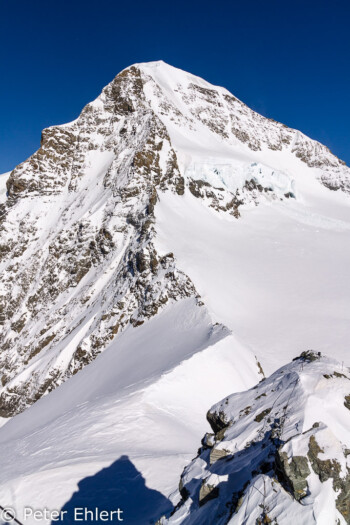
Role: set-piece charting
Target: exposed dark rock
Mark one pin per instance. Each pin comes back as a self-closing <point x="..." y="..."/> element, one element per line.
<point x="207" y="492"/>
<point x="347" y="402"/>
<point x="216" y="454"/>
<point x="217" y="421"/>
<point x="330" y="468"/>
<point x="308" y="356"/>
<point x="292" y="474"/>
<point x="262" y="415"/>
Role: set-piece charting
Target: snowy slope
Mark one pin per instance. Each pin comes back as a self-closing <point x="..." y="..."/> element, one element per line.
<point x="278" y="277"/>
<point x="3" y="180"/>
<point x="279" y="452"/>
<point x="136" y="399"/>
<point x="170" y="238"/>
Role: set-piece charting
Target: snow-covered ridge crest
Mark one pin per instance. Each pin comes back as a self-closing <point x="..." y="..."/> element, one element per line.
<point x="279" y="452"/>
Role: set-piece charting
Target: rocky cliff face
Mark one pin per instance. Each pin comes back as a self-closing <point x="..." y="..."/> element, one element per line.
<point x="278" y="453"/>
<point x="77" y="255"/>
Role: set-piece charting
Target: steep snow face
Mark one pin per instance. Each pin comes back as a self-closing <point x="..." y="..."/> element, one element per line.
<point x="278" y="452"/>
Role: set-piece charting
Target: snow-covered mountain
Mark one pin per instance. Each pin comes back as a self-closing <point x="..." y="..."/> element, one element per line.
<point x="279" y="452"/>
<point x="177" y="243"/>
<point x="79" y="261"/>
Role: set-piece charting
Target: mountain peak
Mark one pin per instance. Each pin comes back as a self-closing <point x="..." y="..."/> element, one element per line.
<point x="153" y="129"/>
<point x="152" y="64"/>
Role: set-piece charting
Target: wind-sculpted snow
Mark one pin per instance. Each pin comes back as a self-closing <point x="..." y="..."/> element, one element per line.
<point x="279" y="453"/>
<point x="78" y="261"/>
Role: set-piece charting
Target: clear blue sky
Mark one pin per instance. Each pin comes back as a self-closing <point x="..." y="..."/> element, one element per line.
<point x="289" y="60"/>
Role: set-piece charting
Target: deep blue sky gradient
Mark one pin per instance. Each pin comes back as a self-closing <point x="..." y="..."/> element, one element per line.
<point x="288" y="60"/>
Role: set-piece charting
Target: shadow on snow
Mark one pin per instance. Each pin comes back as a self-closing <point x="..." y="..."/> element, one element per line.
<point x="121" y="486"/>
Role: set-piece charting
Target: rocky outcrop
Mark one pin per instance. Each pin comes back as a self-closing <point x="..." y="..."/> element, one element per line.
<point x="293" y="473"/>
<point x="271" y="459"/>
